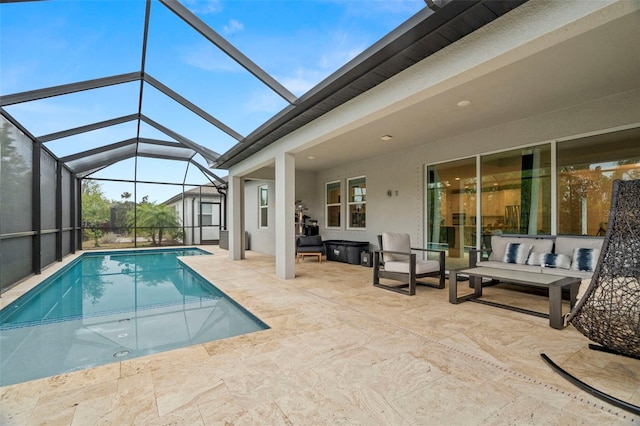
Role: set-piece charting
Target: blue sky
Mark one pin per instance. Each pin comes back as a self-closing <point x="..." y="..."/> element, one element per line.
<point x="298" y="42"/>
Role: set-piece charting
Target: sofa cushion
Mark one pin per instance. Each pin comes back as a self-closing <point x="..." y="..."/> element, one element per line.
<point x="517" y="253"/>
<point x="585" y="259"/>
<point x="566" y="244"/>
<point x="499" y="245"/>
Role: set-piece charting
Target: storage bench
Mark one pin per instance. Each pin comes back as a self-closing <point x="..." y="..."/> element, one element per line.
<point x="345" y="251"/>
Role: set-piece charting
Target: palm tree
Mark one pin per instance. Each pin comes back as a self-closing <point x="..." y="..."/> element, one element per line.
<point x="155" y="218"/>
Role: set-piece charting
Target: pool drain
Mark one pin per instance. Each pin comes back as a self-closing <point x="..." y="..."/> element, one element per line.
<point x="120" y="354"/>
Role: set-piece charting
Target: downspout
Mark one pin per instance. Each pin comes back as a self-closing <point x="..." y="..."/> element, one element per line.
<point x="193" y="220"/>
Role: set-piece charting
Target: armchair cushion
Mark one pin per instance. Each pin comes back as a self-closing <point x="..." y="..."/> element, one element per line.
<point x="309" y="240"/>
<point x="309" y="244"/>
<point x="422" y="266"/>
<point x="394" y="241"/>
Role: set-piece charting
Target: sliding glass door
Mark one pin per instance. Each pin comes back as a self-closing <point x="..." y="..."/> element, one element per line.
<point x="451" y="209"/>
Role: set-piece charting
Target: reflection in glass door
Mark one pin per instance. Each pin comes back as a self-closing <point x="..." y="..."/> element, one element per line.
<point x="451" y="209"/>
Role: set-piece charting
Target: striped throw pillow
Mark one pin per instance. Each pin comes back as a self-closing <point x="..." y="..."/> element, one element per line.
<point x="585" y="259"/>
<point x="517" y="253"/>
<point x="556" y="260"/>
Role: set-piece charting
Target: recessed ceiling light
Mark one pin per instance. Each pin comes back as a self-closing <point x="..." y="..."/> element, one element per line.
<point x="464" y="103"/>
<point x="311" y="157"/>
<point x="386" y="137"/>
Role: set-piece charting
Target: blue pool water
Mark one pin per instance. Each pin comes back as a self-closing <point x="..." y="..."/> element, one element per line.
<point x="112" y="306"/>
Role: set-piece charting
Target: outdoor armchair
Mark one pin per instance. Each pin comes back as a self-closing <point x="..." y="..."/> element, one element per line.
<point x="396" y="261"/>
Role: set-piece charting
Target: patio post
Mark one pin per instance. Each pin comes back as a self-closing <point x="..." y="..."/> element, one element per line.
<point x="236" y="216"/>
<point x="285" y="215"/>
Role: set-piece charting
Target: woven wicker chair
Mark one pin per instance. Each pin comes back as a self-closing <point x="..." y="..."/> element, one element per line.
<point x="609" y="311"/>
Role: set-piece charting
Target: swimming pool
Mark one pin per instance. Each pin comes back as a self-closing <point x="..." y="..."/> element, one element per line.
<point x="111" y="306"/>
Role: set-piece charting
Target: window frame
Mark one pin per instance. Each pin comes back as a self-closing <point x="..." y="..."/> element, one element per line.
<point x="350" y="203"/>
<point x="262" y="207"/>
<point x="327" y="204"/>
<point x="202" y="214"/>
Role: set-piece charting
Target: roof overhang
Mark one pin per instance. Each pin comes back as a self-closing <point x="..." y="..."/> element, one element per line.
<point x="424" y="34"/>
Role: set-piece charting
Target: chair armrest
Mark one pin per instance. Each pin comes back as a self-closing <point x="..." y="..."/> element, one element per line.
<point x="430" y="250"/>
<point x="440" y="255"/>
<point x="393" y="252"/>
<point x="473" y="256"/>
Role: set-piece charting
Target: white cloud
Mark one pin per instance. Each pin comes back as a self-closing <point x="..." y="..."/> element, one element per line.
<point x="304" y="79"/>
<point x="210" y="58"/>
<point x="264" y="102"/>
<point x="204" y="7"/>
<point x="233" y="27"/>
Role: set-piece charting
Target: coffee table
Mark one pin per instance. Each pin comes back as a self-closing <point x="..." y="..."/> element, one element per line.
<point x="554" y="283"/>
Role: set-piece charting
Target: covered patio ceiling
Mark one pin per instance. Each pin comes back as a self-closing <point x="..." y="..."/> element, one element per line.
<point x="594" y="64"/>
<point x="142" y="93"/>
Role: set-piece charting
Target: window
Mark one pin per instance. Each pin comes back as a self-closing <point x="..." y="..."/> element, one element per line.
<point x="206" y="214"/>
<point x="263" y="213"/>
<point x="333" y="205"/>
<point x="516" y="191"/>
<point x="357" y="203"/>
<point x="586" y="170"/>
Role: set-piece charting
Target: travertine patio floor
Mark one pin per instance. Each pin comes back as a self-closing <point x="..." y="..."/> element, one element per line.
<point x="341" y="351"/>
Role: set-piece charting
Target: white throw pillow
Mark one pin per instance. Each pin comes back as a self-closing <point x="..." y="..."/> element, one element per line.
<point x="535" y="259"/>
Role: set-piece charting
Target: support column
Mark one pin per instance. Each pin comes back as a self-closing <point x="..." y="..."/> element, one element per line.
<point x="36" y="210"/>
<point x="59" y="225"/>
<point x="235" y="196"/>
<point x="285" y="216"/>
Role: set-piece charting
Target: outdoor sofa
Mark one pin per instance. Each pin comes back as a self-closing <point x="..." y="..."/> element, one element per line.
<point x="569" y="256"/>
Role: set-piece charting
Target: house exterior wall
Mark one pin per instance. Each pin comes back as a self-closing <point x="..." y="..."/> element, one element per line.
<point x="261" y="239"/>
<point x="403" y="171"/>
<point x="521" y="34"/>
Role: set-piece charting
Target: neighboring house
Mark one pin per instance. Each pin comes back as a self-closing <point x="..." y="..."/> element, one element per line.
<point x="201" y="212"/>
<point x="518" y="127"/>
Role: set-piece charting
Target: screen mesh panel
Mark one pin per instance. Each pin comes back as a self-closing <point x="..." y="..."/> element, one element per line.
<point x="47" y="191"/>
<point x="17" y="169"/>
<point x="16" y="260"/>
